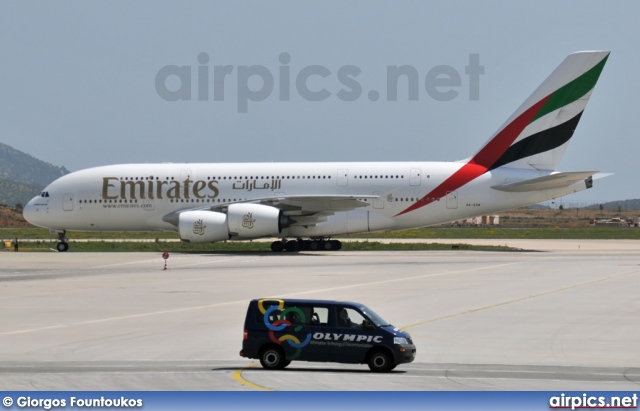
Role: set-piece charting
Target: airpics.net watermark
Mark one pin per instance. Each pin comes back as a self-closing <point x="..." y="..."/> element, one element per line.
<point x="257" y="83"/>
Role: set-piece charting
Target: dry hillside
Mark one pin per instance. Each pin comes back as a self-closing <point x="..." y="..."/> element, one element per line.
<point x="525" y="217"/>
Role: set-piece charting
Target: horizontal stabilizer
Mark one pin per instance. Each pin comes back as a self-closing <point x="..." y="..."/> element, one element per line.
<point x="555" y="180"/>
<point x="602" y="175"/>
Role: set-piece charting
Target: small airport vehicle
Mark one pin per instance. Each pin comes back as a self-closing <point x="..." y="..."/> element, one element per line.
<point x="278" y="331"/>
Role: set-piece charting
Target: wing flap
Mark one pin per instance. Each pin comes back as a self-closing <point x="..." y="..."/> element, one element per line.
<point x="316" y="204"/>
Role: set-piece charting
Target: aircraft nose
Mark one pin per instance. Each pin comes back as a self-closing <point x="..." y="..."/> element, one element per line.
<point x="34" y="210"/>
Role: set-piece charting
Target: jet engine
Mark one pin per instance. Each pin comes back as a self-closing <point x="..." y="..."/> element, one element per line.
<point x="255" y="220"/>
<point x="203" y="226"/>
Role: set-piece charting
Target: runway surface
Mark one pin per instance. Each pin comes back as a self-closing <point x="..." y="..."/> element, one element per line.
<point x="561" y="319"/>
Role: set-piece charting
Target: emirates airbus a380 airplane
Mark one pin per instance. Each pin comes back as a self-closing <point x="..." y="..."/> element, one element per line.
<point x="308" y="203"/>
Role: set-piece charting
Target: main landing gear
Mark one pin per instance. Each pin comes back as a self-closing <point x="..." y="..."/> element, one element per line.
<point x="62" y="245"/>
<point x="315" y="244"/>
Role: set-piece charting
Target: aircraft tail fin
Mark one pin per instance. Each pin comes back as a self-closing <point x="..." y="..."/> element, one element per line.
<point x="537" y="134"/>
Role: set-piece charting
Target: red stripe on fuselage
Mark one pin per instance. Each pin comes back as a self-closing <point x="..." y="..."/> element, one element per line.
<point x="483" y="160"/>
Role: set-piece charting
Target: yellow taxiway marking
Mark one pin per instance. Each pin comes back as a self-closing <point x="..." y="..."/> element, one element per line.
<point x="237" y="375"/>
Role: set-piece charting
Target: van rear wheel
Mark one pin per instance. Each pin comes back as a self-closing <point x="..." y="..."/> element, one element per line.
<point x="272" y="358"/>
<point x="381" y="361"/>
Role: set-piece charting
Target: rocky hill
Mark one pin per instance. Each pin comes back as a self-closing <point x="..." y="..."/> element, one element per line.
<point x="619" y="205"/>
<point x="23" y="176"/>
<point x="12" y="218"/>
<point x="12" y="193"/>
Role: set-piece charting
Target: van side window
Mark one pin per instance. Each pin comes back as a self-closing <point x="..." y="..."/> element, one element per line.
<point x="349" y="318"/>
<point x="306" y="315"/>
<point x="319" y="316"/>
<point x="295" y="314"/>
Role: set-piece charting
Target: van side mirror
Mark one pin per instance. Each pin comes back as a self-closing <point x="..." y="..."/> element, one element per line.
<point x="366" y="324"/>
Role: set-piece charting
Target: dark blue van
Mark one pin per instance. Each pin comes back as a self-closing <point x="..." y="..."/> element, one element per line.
<point x="278" y="331"/>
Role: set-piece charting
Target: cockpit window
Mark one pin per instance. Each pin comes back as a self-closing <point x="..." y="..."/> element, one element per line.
<point x="44" y="194"/>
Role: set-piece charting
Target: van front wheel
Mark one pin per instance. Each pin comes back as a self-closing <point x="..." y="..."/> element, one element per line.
<point x="381" y="361"/>
<point x="272" y="358"/>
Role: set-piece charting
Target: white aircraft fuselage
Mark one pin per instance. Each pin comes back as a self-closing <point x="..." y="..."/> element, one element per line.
<point x="136" y="197"/>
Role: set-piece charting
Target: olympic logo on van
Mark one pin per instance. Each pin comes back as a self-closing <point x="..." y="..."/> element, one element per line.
<point x="281" y="323"/>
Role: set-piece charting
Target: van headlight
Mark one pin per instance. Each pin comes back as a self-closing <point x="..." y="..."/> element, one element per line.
<point x="400" y="341"/>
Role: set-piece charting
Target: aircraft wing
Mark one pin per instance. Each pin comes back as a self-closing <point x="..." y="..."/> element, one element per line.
<point x="555" y="180"/>
<point x="309" y="210"/>
<point x="303" y="210"/>
<point x="304" y="204"/>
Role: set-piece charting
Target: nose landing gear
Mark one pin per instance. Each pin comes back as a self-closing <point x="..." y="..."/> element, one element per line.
<point x="62" y="245"/>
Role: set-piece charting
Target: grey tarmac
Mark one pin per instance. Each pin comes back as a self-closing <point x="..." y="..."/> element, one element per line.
<point x="557" y="316"/>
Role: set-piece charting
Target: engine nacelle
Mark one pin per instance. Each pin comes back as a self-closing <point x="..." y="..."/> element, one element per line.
<point x="202" y="226"/>
<point x="255" y="220"/>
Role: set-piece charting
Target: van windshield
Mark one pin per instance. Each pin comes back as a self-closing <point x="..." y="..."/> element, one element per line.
<point x="375" y="318"/>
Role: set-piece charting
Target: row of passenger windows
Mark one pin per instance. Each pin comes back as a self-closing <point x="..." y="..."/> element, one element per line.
<point x="208" y="200"/>
<point x="220" y="178"/>
<point x="381" y="176"/>
<point x="106" y="201"/>
<point x="224" y="200"/>
<point x="425" y="199"/>
<point x="176" y="200"/>
<point x="271" y="178"/>
<point x="297" y="177"/>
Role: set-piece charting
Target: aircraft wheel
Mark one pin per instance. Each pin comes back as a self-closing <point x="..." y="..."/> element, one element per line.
<point x="336" y="244"/>
<point x="314" y="245"/>
<point x="291" y="246"/>
<point x="327" y="245"/>
<point x="277" y="246"/>
<point x="62" y="246"/>
<point x="305" y="245"/>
